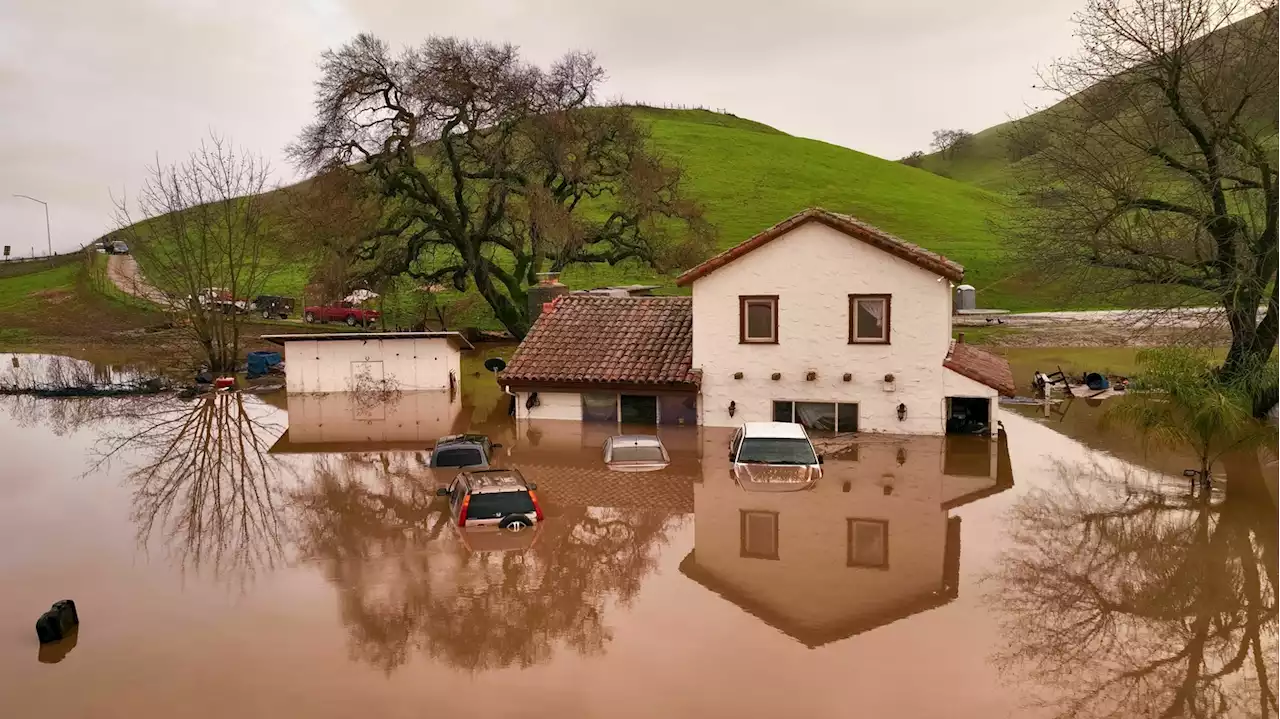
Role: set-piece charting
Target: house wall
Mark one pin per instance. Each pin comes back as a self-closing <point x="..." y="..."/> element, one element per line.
<point x="411" y="364"/>
<point x="813" y="269"/>
<point x="551" y="405"/>
<point x="810" y="582"/>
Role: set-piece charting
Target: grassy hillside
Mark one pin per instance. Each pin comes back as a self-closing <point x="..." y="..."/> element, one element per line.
<point x="750" y="176"/>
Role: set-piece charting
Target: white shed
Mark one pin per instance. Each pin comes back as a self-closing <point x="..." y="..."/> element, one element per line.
<point x="351" y="361"/>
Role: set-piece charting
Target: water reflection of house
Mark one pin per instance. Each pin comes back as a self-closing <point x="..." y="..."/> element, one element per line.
<point x="349" y="422"/>
<point x="874" y="542"/>
<point x="566" y="462"/>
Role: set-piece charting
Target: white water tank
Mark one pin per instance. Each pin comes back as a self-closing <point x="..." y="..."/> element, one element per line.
<point x="966" y="297"/>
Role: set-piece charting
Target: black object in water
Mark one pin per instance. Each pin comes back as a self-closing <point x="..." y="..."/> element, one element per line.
<point x="58" y="622"/>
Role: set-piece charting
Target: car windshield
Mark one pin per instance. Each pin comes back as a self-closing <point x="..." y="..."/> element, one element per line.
<point x="460" y="457"/>
<point x="776" y="450"/>
<point x="496" y="505"/>
<point x="643" y="453"/>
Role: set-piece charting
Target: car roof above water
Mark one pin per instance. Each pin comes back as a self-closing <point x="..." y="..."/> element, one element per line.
<point x="484" y="481"/>
<point x="635" y="440"/>
<point x="780" y="430"/>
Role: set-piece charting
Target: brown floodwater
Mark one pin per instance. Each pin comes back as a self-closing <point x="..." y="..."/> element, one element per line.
<point x="236" y="557"/>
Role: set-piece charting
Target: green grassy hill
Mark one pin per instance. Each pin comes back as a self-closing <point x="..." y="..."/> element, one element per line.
<point x="750" y="176"/>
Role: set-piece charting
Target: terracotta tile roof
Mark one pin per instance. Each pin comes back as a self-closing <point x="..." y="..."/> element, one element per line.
<point x="851" y="226"/>
<point x="980" y="366"/>
<point x="608" y="340"/>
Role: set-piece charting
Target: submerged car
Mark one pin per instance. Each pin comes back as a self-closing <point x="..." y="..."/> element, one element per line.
<point x="462" y="450"/>
<point x="492" y="498"/>
<point x="774" y="457"/>
<point x="635" y="453"/>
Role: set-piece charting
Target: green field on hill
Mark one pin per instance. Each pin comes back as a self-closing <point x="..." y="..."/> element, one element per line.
<point x="750" y="176"/>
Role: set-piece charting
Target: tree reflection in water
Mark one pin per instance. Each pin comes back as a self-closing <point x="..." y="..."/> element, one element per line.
<point x="1128" y="597"/>
<point x="405" y="581"/>
<point x="202" y="480"/>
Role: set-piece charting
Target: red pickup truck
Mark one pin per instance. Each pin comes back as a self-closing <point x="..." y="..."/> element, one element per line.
<point x="341" y="312"/>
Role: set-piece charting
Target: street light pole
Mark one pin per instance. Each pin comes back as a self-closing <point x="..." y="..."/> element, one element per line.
<point x="48" y="236"/>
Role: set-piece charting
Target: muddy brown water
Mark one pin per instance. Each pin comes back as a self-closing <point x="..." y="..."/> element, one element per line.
<point x="234" y="557"/>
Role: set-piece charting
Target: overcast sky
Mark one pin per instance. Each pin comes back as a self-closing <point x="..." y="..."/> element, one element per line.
<point x="92" y="90"/>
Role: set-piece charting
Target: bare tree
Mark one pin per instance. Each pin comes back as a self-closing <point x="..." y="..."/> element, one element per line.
<point x="496" y="169"/>
<point x="915" y="159"/>
<point x="203" y="239"/>
<point x="1159" y="168"/>
<point x="950" y="142"/>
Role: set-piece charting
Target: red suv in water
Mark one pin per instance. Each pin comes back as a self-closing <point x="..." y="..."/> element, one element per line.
<point x="341" y="312"/>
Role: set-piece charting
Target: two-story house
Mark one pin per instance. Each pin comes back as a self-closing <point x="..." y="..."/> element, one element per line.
<point x="821" y="319"/>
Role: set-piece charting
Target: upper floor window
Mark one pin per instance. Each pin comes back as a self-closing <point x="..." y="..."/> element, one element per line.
<point x="758" y="319"/>
<point x="869" y="319"/>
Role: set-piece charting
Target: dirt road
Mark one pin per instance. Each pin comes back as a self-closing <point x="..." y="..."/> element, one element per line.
<point x="124" y="274"/>
<point x="1103" y="328"/>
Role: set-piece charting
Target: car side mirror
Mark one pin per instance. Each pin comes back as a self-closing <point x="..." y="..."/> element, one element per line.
<point x="819" y="459"/>
<point x="496" y="445"/>
<point x="532" y="485"/>
<point x="442" y="492"/>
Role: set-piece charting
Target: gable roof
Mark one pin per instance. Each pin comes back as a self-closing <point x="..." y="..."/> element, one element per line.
<point x="608" y="341"/>
<point x="979" y="366"/>
<point x="847" y="224"/>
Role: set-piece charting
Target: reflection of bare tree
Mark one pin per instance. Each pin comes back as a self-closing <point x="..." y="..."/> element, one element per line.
<point x="204" y="482"/>
<point x="64" y="415"/>
<point x="1126" y="598"/>
<point x="406" y="582"/>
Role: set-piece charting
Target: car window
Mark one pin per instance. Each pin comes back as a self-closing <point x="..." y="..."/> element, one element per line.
<point x="777" y="450"/>
<point x="458" y="457"/>
<point x="733" y="444"/>
<point x="496" y="505"/>
<point x="637" y="454"/>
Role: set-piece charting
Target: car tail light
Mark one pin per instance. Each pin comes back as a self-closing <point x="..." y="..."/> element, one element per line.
<point x="462" y="512"/>
<point x="537" y="508"/>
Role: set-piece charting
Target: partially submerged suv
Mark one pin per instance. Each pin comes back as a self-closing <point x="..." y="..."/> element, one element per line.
<point x="495" y="498"/>
<point x="462" y="450"/>
<point x="774" y="457"/>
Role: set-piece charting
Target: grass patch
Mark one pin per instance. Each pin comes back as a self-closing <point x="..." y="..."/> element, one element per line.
<point x="750" y="176"/>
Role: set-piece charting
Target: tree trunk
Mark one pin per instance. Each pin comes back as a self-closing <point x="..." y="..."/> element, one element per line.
<point x="511" y="316"/>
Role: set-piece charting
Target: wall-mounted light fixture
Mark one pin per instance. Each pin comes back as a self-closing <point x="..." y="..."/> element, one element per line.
<point x="902" y="456"/>
<point x="776" y="376"/>
<point x="733" y="407"/>
<point x="810" y="376"/>
<point x="902" y="411"/>
<point x="737" y="375"/>
<point x="848" y="376"/>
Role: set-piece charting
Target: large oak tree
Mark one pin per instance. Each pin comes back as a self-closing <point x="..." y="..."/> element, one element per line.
<point x="494" y="169"/>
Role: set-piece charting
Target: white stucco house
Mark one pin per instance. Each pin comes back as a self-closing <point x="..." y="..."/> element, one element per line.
<point x="352" y="362"/>
<point x="821" y="319"/>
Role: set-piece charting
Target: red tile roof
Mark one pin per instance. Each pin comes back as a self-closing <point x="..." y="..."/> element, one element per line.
<point x="851" y="226"/>
<point x="979" y="366"/>
<point x="608" y="340"/>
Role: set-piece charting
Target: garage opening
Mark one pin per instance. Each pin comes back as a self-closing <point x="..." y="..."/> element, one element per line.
<point x="968" y="415"/>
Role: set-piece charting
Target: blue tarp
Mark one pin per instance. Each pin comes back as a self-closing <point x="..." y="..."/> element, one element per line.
<point x="257" y="363"/>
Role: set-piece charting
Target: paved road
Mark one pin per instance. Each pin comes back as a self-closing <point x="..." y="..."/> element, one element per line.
<point x="124" y="273"/>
